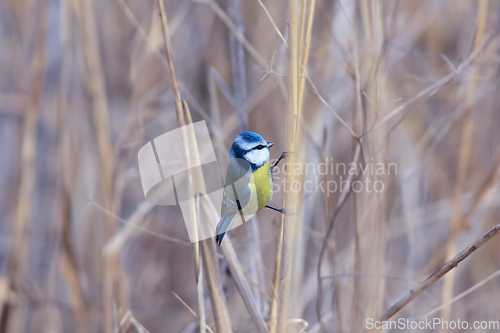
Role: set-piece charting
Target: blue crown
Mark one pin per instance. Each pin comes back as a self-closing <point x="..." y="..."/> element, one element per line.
<point x="250" y="137"/>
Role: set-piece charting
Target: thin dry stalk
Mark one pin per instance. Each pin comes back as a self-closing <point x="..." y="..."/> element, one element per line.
<point x="291" y="196"/>
<point x="17" y="262"/>
<point x="272" y="22"/>
<point x="463" y="294"/>
<point x="191" y="158"/>
<point x="214" y="286"/>
<point x="189" y="309"/>
<point x="463" y="162"/>
<point x="234" y="30"/>
<point x="412" y="294"/>
<point x="340" y="203"/>
<point x="240" y="37"/>
<point x="305" y="60"/>
<point x="95" y="85"/>
<point x="197" y="187"/>
<point x="241" y="283"/>
<point x="276" y="281"/>
<point x="489" y="182"/>
<point x="67" y="259"/>
<point x="236" y="270"/>
<point x="171" y="67"/>
<point x="432" y="89"/>
<point x="68" y="262"/>
<point x="238" y="67"/>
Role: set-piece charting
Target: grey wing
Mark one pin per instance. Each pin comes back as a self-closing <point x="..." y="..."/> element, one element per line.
<point x="234" y="198"/>
<point x="228" y="211"/>
<point x="238" y="173"/>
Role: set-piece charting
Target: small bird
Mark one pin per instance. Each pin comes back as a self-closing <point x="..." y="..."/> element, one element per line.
<point x="249" y="175"/>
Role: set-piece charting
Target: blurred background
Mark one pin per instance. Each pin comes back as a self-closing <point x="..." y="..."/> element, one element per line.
<point x="85" y="84"/>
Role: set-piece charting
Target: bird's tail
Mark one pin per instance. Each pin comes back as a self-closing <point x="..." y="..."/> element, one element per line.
<point x="223" y="226"/>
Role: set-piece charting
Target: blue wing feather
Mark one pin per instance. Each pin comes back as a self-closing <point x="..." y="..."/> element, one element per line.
<point x="223" y="226"/>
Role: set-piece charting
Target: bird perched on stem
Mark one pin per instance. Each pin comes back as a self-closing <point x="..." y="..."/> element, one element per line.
<point x="249" y="184"/>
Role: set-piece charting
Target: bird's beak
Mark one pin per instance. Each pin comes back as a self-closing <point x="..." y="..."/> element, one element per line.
<point x="270" y="144"/>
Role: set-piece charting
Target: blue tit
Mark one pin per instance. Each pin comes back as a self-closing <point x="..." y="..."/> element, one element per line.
<point x="249" y="184"/>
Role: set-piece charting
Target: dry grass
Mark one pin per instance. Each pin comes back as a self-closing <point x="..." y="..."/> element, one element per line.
<point x="84" y="85"/>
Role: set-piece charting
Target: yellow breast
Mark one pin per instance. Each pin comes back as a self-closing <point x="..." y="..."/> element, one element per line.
<point x="262" y="185"/>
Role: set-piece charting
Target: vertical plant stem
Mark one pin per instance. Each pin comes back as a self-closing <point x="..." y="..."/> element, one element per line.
<point x="94" y="81"/>
<point x="291" y="196"/>
<point x="276" y="281"/>
<point x="17" y="263"/>
<point x="463" y="161"/>
<point x="214" y="285"/>
<point x="242" y="284"/>
<point x="221" y="315"/>
<point x="95" y="84"/>
<point x="312" y="6"/>
<point x="67" y="262"/>
<point x="238" y="67"/>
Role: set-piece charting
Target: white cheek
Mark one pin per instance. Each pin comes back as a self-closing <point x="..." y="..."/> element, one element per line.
<point x="258" y="156"/>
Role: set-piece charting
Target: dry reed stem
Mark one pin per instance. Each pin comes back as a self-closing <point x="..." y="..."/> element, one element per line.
<point x="412" y="294"/>
<point x="190" y="310"/>
<point x="228" y="251"/>
<point x="432" y="89"/>
<point x="276" y="281"/>
<point x="214" y="105"/>
<point x="305" y="60"/>
<point x="238" y="70"/>
<point x="131" y="17"/>
<point x="489" y="182"/>
<point x="463" y="294"/>
<point x="236" y="270"/>
<point x="238" y="67"/>
<point x="290" y="195"/>
<point x="191" y="157"/>
<point x="237" y="274"/>
<point x="239" y="279"/>
<point x="95" y="84"/>
<point x="463" y="161"/>
<point x="240" y="37"/>
<point x="112" y="248"/>
<point x="67" y="258"/>
<point x="197" y="187"/>
<point x="214" y="286"/>
<point x="201" y="296"/>
<point x="340" y="203"/>
<point x="17" y="261"/>
<point x="323" y="101"/>
<point x="302" y="26"/>
<point x="272" y="22"/>
<point x="127" y="321"/>
<point x="234" y="29"/>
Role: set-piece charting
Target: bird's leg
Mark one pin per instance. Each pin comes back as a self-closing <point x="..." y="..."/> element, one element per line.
<point x="282" y="156"/>
<point x="281" y="210"/>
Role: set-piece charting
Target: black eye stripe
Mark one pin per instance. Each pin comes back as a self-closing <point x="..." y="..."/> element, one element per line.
<point x="259" y="147"/>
